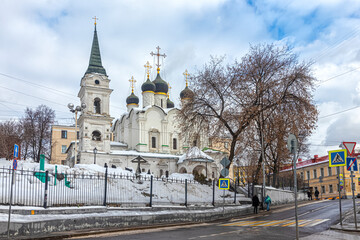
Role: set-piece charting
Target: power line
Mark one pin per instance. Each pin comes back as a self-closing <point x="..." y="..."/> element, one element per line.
<point x="346" y="110"/>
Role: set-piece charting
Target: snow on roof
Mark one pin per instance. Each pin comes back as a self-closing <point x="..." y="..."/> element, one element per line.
<point x="118" y="144"/>
<point x="143" y="154"/>
<point x="195" y="154"/>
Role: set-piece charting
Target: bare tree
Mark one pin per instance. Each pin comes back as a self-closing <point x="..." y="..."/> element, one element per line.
<point x="232" y="98"/>
<point x="10" y="135"/>
<point x="37" y="131"/>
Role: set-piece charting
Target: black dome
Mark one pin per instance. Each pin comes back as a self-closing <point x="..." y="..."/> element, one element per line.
<point x="169" y="103"/>
<point x="148" y="86"/>
<point x="186" y="93"/>
<point x="161" y="85"/>
<point x="132" y="99"/>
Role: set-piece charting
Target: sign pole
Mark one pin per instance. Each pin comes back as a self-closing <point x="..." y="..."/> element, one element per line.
<point x="223" y="202"/>
<point x="11" y="194"/>
<point x="353" y="196"/>
<point x="295" y="191"/>
<point x="340" y="199"/>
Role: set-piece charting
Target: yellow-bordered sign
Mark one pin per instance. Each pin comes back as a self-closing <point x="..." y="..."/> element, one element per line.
<point x="337" y="158"/>
<point x="224" y="183"/>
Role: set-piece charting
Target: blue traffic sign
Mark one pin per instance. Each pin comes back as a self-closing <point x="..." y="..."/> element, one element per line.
<point x="337" y="158"/>
<point x="351" y="164"/>
<point x="15" y="164"/>
<point x="16" y="151"/>
<point x="224" y="183"/>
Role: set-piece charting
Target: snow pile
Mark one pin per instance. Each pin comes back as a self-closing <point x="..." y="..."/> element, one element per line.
<point x="182" y="176"/>
<point x="195" y="154"/>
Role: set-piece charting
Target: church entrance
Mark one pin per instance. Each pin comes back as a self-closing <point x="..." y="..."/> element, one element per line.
<point x="182" y="170"/>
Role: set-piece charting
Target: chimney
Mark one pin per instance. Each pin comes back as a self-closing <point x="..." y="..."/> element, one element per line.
<point x="316" y="156"/>
<point x="299" y="160"/>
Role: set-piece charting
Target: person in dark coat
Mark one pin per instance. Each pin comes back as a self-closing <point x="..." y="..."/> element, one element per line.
<point x="309" y="195"/>
<point x="255" y="203"/>
<point x="317" y="194"/>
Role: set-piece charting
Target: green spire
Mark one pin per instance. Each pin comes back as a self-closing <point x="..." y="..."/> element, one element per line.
<point x="95" y="65"/>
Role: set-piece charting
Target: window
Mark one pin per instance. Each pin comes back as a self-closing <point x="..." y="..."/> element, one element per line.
<point x="322" y="189"/>
<point x="161" y="103"/>
<point x="315" y="174"/>
<point x="63" y="162"/>
<point x="322" y="172"/>
<point x="194" y="143"/>
<point x="97" y="105"/>
<point x="330" y="188"/>
<point x="226" y="145"/>
<point x="63" y="148"/>
<point x="329" y="171"/>
<point x="96" y="136"/>
<point x="63" y="134"/>
<point x="174" y="143"/>
<point x="153" y="142"/>
<point x="143" y="170"/>
<point x="97" y="82"/>
<point x="338" y="170"/>
<point x="302" y="175"/>
<point x="77" y="135"/>
<point x="167" y="174"/>
<point x="308" y="174"/>
<point x="161" y="172"/>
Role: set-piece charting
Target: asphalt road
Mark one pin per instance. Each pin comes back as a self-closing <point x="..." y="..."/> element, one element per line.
<point x="314" y="217"/>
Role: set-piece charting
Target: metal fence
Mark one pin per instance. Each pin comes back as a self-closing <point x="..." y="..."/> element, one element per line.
<point x="49" y="189"/>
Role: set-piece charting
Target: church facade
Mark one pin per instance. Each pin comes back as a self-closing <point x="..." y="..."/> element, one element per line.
<point x="148" y="129"/>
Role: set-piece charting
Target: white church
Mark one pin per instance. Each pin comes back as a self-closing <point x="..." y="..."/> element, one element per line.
<point x="149" y="130"/>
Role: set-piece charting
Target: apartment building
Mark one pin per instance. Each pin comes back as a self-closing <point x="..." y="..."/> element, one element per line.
<point x="61" y="138"/>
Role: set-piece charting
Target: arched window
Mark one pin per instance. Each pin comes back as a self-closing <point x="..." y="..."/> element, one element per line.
<point x="161" y="172"/>
<point x="167" y="174"/>
<point x="174" y="143"/>
<point x="97" y="82"/>
<point x="96" y="136"/>
<point x="153" y="142"/>
<point x="97" y="105"/>
<point x="161" y="103"/>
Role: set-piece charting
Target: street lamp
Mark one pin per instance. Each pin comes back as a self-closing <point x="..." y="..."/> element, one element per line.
<point x="76" y="110"/>
<point x="95" y="152"/>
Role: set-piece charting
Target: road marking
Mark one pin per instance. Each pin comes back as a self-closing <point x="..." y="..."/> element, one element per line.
<point x="318" y="222"/>
<point x="273" y="223"/>
<point x="306" y="222"/>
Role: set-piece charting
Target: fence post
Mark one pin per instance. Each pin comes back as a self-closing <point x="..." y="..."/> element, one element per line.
<point x="235" y="194"/>
<point x="106" y="173"/>
<point x="185" y="192"/>
<point x="46" y="188"/>
<point x="151" y="190"/>
<point x="213" y="199"/>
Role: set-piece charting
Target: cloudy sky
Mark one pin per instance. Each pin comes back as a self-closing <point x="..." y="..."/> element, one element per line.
<point x="45" y="47"/>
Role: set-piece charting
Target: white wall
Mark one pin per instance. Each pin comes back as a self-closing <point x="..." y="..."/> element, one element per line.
<point x="280" y="196"/>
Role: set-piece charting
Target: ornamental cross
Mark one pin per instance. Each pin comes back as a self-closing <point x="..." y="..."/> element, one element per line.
<point x="158" y="57"/>
<point x="186" y="74"/>
<point x="132" y="81"/>
<point x="95" y="18"/>
<point x="148" y="67"/>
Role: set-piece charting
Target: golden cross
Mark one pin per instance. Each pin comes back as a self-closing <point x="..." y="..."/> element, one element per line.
<point x="95" y="19"/>
<point x="158" y="57"/>
<point x="148" y="67"/>
<point x="132" y="80"/>
<point x="186" y="74"/>
<point x="168" y="93"/>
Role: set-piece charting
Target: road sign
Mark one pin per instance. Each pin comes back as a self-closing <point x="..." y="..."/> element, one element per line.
<point x="351" y="164"/>
<point x="224" y="172"/>
<point x="15" y="164"/>
<point x="350" y="146"/>
<point x="225" y="162"/>
<point x="16" y="151"/>
<point x="224" y="183"/>
<point x="292" y="143"/>
<point x="337" y="158"/>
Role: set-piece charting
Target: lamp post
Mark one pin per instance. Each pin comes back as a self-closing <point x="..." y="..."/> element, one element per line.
<point x="76" y="110"/>
<point x="95" y="152"/>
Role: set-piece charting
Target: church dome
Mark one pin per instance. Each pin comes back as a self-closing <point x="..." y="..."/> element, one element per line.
<point x="161" y="85"/>
<point x="169" y="103"/>
<point x="148" y="86"/>
<point x="186" y="93"/>
<point x="132" y="99"/>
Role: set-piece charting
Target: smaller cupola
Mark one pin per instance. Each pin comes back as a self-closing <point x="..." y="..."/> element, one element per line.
<point x="132" y="100"/>
<point x="186" y="93"/>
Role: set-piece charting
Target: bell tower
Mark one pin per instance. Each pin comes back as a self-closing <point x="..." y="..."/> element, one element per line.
<point x="95" y="121"/>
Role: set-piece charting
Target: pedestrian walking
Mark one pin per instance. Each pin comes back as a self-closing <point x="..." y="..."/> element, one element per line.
<point x="255" y="203"/>
<point x="267" y="202"/>
<point x="316" y="194"/>
<point x="309" y="195"/>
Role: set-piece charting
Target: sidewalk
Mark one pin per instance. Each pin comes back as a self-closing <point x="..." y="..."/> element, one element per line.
<point x="29" y="222"/>
<point x="333" y="235"/>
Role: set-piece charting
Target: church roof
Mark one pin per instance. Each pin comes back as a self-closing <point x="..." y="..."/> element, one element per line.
<point x="186" y="93"/>
<point x="95" y="65"/>
<point x="195" y="154"/>
<point x="132" y="99"/>
<point x="169" y="103"/>
<point x="148" y="86"/>
<point x="160" y="84"/>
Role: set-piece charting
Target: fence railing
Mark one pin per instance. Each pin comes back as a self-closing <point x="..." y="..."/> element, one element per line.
<point x="71" y="189"/>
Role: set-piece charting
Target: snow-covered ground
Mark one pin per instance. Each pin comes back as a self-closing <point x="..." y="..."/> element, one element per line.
<point x="86" y="186"/>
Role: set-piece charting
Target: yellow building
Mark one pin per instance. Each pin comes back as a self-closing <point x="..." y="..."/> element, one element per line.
<point x="317" y="174"/>
<point x="61" y="137"/>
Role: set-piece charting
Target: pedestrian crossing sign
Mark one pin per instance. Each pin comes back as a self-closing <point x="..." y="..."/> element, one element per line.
<point x="224" y="183"/>
<point x="337" y="158"/>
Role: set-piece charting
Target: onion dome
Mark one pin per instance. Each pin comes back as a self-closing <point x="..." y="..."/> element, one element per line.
<point x="186" y="93"/>
<point x="160" y="84"/>
<point x="169" y="103"/>
<point x="148" y="86"/>
<point x="132" y="99"/>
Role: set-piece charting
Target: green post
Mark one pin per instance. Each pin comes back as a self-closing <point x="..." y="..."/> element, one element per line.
<point x="42" y="162"/>
<point x="55" y="175"/>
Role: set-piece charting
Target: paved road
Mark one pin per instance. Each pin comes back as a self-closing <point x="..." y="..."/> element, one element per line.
<point x="314" y="217"/>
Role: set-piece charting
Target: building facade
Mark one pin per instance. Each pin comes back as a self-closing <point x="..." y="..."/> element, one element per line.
<point x="61" y="138"/>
